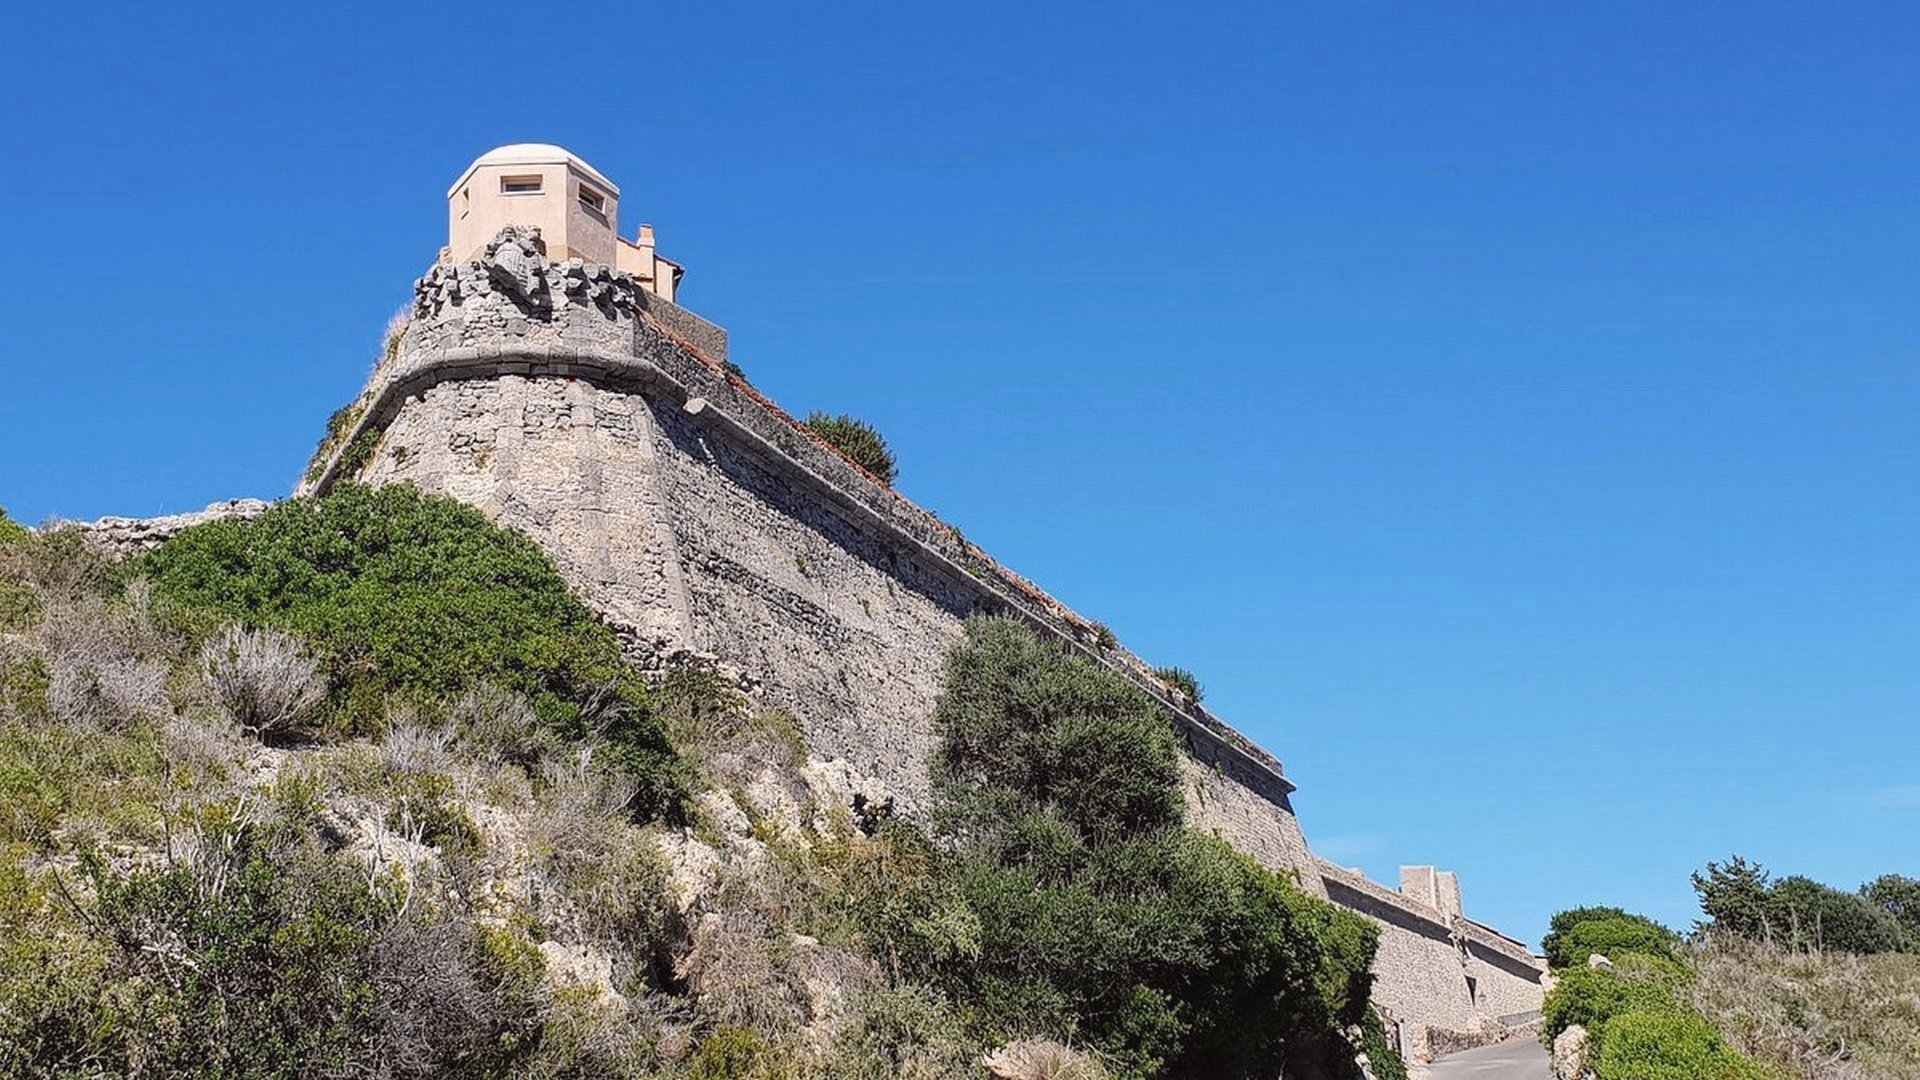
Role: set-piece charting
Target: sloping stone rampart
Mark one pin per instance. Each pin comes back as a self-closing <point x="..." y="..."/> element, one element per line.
<point x="695" y="514"/>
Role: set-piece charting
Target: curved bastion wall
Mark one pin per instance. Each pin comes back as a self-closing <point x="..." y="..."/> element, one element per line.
<point x="697" y="517"/>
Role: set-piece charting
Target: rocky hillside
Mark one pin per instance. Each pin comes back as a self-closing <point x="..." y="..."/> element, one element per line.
<point x="355" y="787"/>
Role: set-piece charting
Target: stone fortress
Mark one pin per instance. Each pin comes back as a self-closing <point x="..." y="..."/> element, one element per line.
<point x="549" y="377"/>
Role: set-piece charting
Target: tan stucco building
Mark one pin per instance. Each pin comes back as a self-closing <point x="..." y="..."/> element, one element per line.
<point x="575" y="207"/>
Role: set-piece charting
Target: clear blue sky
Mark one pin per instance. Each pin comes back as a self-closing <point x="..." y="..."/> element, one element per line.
<point x="1508" y="410"/>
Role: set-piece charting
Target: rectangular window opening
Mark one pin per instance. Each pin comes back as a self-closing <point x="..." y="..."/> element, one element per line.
<point x="520" y="185"/>
<point x="593" y="202"/>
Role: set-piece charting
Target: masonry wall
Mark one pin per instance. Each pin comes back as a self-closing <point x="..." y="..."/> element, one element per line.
<point x="696" y="516"/>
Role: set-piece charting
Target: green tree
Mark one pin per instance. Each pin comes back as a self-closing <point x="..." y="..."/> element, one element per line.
<point x="1805" y="912"/>
<point x="1614" y="938"/>
<point x="1899" y="897"/>
<point x="1101" y="918"/>
<point x="860" y="441"/>
<point x="1734" y="896"/>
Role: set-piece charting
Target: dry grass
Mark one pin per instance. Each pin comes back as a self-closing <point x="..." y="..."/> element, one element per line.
<point x="1814" y="1016"/>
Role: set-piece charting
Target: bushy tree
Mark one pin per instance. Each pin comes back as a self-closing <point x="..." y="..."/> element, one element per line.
<point x="857" y="439"/>
<point x="1806" y="913"/>
<point x="1899" y="897"/>
<point x="1741" y="899"/>
<point x="1101" y="918"/>
<point x="1734" y="896"/>
<point x="1561" y="922"/>
<point x="1613" y="937"/>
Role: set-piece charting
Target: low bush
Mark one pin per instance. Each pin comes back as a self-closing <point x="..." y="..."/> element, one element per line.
<point x="1813" y="1016"/>
<point x="860" y="441"/>
<point x="1639" y="1022"/>
<point x="416" y="597"/>
<point x="11" y="531"/>
<point x="1592" y="997"/>
<point x="1669" y="1045"/>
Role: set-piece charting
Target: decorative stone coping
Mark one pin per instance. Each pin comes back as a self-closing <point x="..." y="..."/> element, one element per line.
<point x="665" y="365"/>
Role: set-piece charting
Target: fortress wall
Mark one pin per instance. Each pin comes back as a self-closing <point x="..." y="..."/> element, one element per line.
<point x="1426" y="958"/>
<point x="674" y="530"/>
<point x="696" y="516"/>
<point x="1510" y="985"/>
<point x="1419" y="976"/>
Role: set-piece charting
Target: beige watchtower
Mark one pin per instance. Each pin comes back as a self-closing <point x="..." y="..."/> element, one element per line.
<point x="576" y="209"/>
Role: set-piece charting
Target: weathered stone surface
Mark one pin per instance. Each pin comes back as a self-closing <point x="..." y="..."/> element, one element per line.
<point x="1570" y="1053"/>
<point x="702" y="521"/>
<point x="122" y="536"/>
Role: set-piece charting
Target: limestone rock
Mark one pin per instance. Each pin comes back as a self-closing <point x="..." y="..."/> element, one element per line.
<point x="1570" y="1053"/>
<point x="1599" y="963"/>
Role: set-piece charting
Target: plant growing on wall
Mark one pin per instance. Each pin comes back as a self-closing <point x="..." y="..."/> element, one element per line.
<point x="858" y="440"/>
<point x="1182" y="682"/>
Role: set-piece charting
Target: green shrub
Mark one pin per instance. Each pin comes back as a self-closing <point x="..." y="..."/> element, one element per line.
<point x="1805" y="913"/>
<point x="1613" y="938"/>
<point x="1592" y="998"/>
<point x="731" y="1053"/>
<point x="1182" y="682"/>
<point x="1739" y="898"/>
<point x="1899" y="897"/>
<point x="1669" y="1045"/>
<point x="1102" y="921"/>
<point x="420" y="597"/>
<point x="11" y="531"/>
<point x="270" y="975"/>
<point x="858" y="440"/>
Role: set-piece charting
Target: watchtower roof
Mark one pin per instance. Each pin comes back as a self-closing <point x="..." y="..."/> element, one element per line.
<point x="533" y="153"/>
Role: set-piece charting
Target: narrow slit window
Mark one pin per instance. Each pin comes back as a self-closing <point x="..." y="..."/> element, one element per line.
<point x="520" y="185"/>
<point x="593" y="202"/>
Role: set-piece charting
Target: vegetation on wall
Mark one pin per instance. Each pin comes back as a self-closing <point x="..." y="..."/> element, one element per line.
<point x="860" y="441"/>
<point x="338" y="425"/>
<point x="1100" y="918"/>
<point x="1182" y="682"/>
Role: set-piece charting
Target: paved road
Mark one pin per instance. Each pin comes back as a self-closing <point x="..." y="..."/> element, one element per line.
<point x="1518" y="1059"/>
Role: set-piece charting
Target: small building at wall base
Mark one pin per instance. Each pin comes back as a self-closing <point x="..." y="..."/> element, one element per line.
<point x="550" y="378"/>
